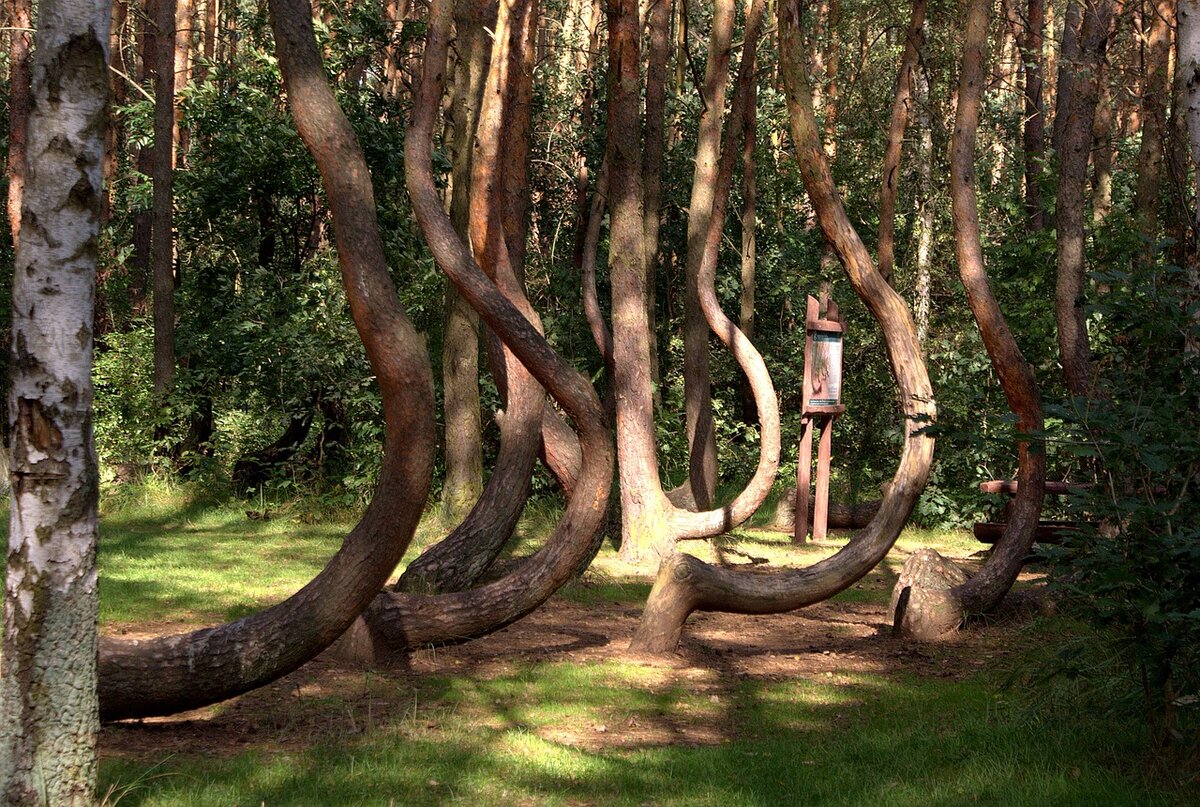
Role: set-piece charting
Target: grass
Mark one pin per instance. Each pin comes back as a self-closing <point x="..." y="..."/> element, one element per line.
<point x="598" y="732"/>
<point x="852" y="740"/>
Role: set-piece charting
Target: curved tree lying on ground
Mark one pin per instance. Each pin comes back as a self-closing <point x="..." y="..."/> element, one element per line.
<point x="173" y="673"/>
<point x="685" y="583"/>
<point x="397" y="621"/>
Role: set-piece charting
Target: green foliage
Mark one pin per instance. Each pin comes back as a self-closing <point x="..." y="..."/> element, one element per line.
<point x="1133" y="571"/>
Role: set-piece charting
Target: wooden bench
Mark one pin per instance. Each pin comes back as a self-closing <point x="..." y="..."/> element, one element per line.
<point x="1047" y="531"/>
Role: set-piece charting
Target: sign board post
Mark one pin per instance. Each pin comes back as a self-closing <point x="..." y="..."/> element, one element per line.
<point x="821" y="403"/>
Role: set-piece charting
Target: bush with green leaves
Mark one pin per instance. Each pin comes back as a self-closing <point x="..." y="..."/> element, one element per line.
<point x="1133" y="570"/>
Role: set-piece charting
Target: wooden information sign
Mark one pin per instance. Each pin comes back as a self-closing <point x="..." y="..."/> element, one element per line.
<point x="821" y="403"/>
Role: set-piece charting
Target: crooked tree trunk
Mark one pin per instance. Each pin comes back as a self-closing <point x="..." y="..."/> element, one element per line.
<point x="1077" y="122"/>
<point x="460" y="343"/>
<point x="914" y="40"/>
<point x="987" y="588"/>
<point x="399" y="621"/>
<point x="697" y="381"/>
<point x="650" y="523"/>
<point x="457" y="561"/>
<point x="48" y="710"/>
<point x="174" y="673"/>
<point x="685" y="583"/>
<point x="254" y="469"/>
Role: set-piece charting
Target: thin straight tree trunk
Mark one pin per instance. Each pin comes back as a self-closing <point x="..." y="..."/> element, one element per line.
<point x="162" y="238"/>
<point x="1077" y="123"/>
<point x="1189" y="65"/>
<point x="1031" y="44"/>
<point x="113" y="133"/>
<point x="1156" y="89"/>
<point x="832" y="64"/>
<point x="658" y="24"/>
<point x="460" y="342"/>
<point x="988" y="587"/>
<point x="749" y="233"/>
<point x="925" y="207"/>
<point x="1068" y="69"/>
<point x="185" y="12"/>
<point x="697" y="381"/>
<point x="1103" y="147"/>
<point x="49" y="715"/>
<point x="141" y="270"/>
<point x="20" y="20"/>
<point x="901" y="104"/>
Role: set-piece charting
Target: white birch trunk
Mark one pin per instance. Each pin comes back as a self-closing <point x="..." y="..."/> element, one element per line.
<point x="48" y="706"/>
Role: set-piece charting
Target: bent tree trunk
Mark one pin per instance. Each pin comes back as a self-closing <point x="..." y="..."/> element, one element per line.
<point x="173" y="673"/>
<point x="462" y="557"/>
<point x="48" y="711"/>
<point x="398" y="621"/>
<point x="650" y="523"/>
<point x="986" y="589"/>
<point x="685" y="583"/>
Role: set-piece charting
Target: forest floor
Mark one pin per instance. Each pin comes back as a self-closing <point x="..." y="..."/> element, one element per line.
<point x="820" y="706"/>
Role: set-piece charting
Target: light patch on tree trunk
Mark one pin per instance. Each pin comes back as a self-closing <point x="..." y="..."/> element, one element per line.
<point x="48" y="705"/>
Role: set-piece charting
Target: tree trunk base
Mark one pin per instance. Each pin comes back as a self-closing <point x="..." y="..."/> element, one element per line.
<point x="924" y="606"/>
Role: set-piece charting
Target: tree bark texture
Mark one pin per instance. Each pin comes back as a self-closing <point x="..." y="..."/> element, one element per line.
<point x="174" y="673"/>
<point x="987" y="588"/>
<point x="162" y="236"/>
<point x="658" y="25"/>
<point x="1156" y="89"/>
<point x="398" y="621"/>
<point x="48" y="709"/>
<point x="749" y="224"/>
<point x="462" y="557"/>
<point x="1069" y="68"/>
<point x="1034" y="134"/>
<point x="901" y="107"/>
<point x="684" y="583"/>
<point x="20" y="35"/>
<point x="697" y="380"/>
<point x="463" y="482"/>
<point x="926" y="202"/>
<point x="1077" y="121"/>
<point x="650" y="522"/>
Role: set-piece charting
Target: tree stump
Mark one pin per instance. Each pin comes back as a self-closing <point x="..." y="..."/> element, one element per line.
<point x="924" y="606"/>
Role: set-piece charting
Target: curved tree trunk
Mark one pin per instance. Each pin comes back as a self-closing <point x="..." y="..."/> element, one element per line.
<point x="173" y="673"/>
<point x="254" y="469"/>
<point x="462" y="557"/>
<point x="650" y="522"/>
<point x="1077" y="121"/>
<point x="986" y="589"/>
<point x="697" y="382"/>
<point x="914" y="40"/>
<point x="48" y="710"/>
<point x="686" y="584"/>
<point x="397" y="621"/>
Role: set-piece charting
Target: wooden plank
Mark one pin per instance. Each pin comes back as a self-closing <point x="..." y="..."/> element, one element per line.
<point x="803" y="482"/>
<point x="821" y="503"/>
<point x="1047" y="532"/>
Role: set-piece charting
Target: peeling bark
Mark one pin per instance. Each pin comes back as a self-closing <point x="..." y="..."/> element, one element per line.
<point x="48" y="706"/>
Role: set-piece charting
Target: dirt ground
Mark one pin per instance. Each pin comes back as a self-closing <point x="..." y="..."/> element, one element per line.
<point x="328" y="698"/>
